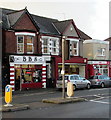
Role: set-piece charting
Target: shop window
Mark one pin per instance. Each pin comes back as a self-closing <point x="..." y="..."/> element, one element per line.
<point x="20" y="44"/>
<point x="30" y="44"/>
<point x="74" y="48"/>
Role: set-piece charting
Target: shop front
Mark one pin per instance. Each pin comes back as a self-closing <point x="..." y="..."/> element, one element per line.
<point x="28" y="71"/>
<point x="99" y="67"/>
<point x="75" y="65"/>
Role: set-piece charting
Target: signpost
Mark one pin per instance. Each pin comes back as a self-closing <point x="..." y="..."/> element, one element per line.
<point x="63" y="68"/>
<point x="8" y="95"/>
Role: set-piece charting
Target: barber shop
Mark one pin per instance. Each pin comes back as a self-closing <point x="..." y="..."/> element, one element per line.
<point x="28" y="72"/>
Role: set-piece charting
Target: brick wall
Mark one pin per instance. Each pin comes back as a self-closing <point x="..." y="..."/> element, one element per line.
<point x="25" y="24"/>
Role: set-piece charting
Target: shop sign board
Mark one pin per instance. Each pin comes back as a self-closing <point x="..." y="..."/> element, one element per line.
<point x="27" y="59"/>
<point x="98" y="62"/>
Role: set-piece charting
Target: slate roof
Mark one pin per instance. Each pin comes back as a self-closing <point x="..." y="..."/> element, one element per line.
<point x="46" y="24"/>
<point x="14" y="16"/>
<point x="62" y="25"/>
<point x="83" y="35"/>
<point x="108" y="39"/>
<point x="10" y="17"/>
<point x="5" y="24"/>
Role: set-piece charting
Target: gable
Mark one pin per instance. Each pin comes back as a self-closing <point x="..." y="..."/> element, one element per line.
<point x="25" y="23"/>
<point x="70" y="31"/>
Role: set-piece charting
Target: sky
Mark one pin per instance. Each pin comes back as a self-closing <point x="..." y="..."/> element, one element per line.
<point x="90" y="16"/>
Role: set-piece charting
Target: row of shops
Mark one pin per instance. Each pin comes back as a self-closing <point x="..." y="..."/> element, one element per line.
<point x="43" y="71"/>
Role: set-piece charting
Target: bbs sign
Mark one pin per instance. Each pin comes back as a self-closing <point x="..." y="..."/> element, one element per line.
<point x="26" y="59"/>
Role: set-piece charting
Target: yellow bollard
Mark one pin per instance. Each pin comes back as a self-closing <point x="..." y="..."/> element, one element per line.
<point x="70" y="89"/>
<point x="8" y="95"/>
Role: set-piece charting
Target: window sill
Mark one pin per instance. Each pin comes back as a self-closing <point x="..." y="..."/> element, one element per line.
<point x="101" y="56"/>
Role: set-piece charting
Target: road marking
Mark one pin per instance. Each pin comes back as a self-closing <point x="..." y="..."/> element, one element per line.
<point x="100" y="102"/>
<point x="99" y="89"/>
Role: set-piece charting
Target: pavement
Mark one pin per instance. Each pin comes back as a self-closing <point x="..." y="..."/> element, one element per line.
<point x="19" y="107"/>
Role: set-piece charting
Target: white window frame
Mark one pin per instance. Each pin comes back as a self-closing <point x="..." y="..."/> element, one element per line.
<point x="50" y="45"/>
<point x="31" y="44"/>
<point x="20" y="43"/>
<point x="71" y="42"/>
<point x="55" y="47"/>
<point x="42" y="40"/>
<point x="102" y="52"/>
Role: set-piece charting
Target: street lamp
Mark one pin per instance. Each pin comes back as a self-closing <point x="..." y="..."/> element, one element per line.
<point x="63" y="67"/>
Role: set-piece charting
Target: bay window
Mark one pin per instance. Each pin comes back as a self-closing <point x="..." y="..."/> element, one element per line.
<point x="50" y="45"/>
<point x="45" y="45"/>
<point x="20" y="44"/>
<point x="29" y="44"/>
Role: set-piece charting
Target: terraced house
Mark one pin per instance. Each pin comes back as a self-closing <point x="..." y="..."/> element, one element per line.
<point x="31" y="53"/>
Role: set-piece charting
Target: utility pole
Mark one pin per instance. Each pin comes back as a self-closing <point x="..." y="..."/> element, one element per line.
<point x="63" y="67"/>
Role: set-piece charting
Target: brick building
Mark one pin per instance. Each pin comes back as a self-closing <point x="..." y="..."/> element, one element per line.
<point x="31" y="52"/>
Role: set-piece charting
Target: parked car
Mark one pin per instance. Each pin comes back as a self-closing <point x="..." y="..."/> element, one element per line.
<point x="77" y="81"/>
<point x="100" y="80"/>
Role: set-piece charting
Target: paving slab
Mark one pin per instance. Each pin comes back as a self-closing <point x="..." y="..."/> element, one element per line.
<point x="63" y="100"/>
<point x="15" y="107"/>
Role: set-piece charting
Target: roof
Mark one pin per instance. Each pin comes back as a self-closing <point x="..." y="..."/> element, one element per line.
<point x="83" y="35"/>
<point x="5" y="24"/>
<point x="10" y="17"/>
<point x="14" y="16"/>
<point x="108" y="39"/>
<point x="96" y="41"/>
<point x="62" y="25"/>
<point x="45" y="24"/>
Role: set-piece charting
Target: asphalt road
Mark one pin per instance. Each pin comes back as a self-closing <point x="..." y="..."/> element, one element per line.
<point x="96" y="106"/>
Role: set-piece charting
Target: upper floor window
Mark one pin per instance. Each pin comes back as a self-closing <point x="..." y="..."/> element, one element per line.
<point x="20" y="44"/>
<point x="74" y="49"/>
<point x="30" y="44"/>
<point x="25" y="42"/>
<point x="101" y="51"/>
<point x="50" y="45"/>
<point x="54" y="46"/>
<point x="45" y="44"/>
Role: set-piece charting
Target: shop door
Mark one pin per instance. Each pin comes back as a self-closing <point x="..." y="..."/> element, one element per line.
<point x="17" y="79"/>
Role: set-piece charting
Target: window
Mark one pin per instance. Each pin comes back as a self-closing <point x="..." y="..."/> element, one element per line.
<point x="50" y="45"/>
<point x="74" y="48"/>
<point x="45" y="45"/>
<point x="20" y="44"/>
<point x="72" y="78"/>
<point x="101" y="51"/>
<point x="29" y="44"/>
<point x="54" y="46"/>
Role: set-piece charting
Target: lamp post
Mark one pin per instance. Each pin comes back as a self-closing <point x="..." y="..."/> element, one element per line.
<point x="63" y="67"/>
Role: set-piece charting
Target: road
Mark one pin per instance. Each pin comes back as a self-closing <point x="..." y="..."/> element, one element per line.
<point x="96" y="106"/>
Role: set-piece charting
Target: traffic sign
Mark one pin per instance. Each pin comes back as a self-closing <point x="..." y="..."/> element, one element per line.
<point x="8" y="95"/>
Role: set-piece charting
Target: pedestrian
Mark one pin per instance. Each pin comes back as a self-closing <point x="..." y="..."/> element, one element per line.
<point x="4" y="82"/>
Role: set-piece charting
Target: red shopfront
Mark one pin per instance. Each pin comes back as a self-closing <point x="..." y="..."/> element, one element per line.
<point x="101" y="67"/>
<point x="28" y="72"/>
<point x="75" y="65"/>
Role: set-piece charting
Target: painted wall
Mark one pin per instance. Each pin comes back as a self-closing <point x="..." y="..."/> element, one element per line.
<point x="70" y="31"/>
<point x="91" y="47"/>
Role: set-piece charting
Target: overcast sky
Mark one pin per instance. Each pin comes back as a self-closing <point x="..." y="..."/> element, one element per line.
<point x="91" y="16"/>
